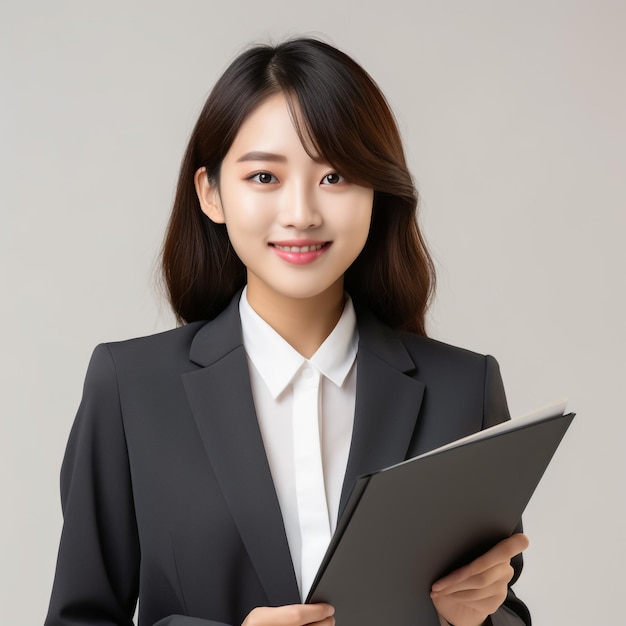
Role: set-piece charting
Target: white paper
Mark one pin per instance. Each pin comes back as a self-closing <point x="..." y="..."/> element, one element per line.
<point x="549" y="410"/>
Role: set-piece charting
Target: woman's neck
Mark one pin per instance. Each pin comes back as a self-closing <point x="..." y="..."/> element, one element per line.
<point x="304" y="323"/>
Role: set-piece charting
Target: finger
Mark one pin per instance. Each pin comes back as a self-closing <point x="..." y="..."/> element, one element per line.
<point x="481" y="609"/>
<point x="480" y="602"/>
<point x="487" y="605"/>
<point x="502" y="552"/>
<point x="291" y="615"/>
<point x="499" y="574"/>
<point x="496" y="582"/>
<point x="301" y="614"/>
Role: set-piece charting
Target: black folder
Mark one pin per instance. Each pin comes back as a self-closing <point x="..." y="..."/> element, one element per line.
<point x="406" y="526"/>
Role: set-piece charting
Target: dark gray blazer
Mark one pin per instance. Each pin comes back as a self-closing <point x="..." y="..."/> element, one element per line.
<point x="166" y="490"/>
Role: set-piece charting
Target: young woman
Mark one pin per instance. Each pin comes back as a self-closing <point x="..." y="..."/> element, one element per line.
<point x="208" y="465"/>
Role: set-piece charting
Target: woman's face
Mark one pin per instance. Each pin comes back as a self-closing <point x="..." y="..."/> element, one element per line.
<point x="295" y="223"/>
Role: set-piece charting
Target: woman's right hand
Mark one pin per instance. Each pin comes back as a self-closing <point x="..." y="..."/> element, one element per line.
<point x="291" y="615"/>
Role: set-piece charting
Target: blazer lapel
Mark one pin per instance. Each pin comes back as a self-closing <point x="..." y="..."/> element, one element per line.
<point x="388" y="400"/>
<point x="221" y="401"/>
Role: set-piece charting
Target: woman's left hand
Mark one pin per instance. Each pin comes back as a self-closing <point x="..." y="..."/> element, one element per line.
<point x="467" y="596"/>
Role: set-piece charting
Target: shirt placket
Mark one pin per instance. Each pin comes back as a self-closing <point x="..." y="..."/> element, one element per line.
<point x="309" y="473"/>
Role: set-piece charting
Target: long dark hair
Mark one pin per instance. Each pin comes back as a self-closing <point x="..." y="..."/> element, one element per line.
<point x="345" y="119"/>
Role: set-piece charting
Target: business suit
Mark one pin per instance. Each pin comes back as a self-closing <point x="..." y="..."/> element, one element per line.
<point x="166" y="488"/>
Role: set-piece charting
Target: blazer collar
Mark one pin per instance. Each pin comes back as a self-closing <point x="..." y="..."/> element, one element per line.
<point x="222" y="335"/>
<point x="387" y="405"/>
<point x="218" y="337"/>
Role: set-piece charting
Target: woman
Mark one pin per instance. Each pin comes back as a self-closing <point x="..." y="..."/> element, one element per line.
<point x="208" y="465"/>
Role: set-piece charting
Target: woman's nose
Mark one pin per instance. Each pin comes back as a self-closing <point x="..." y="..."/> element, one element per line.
<point x="300" y="209"/>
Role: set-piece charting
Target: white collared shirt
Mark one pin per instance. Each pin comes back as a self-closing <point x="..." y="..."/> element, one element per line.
<point x="305" y="409"/>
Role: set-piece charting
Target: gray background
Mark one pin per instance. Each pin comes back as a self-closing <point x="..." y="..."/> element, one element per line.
<point x="513" y="117"/>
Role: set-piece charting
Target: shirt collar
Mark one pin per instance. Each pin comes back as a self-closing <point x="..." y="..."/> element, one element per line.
<point x="278" y="362"/>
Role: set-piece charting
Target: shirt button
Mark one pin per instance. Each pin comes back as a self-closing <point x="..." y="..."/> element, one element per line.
<point x="307" y="372"/>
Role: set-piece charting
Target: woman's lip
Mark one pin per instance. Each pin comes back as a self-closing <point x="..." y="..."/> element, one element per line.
<point x="298" y="243"/>
<point x="299" y="252"/>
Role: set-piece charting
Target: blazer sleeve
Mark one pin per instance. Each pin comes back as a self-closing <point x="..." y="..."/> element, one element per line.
<point x="97" y="575"/>
<point x="513" y="612"/>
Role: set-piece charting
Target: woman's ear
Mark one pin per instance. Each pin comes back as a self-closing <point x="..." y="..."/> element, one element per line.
<point x="208" y="196"/>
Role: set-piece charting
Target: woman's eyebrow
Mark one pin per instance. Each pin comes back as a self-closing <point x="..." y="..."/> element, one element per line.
<point x="262" y="156"/>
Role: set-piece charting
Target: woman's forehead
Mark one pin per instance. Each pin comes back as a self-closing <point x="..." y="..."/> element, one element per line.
<point x="274" y="126"/>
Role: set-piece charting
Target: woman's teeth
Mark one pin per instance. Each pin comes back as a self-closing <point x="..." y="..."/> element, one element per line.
<point x="318" y="246"/>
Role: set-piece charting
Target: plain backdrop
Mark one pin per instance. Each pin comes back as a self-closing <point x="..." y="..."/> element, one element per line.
<point x="513" y="115"/>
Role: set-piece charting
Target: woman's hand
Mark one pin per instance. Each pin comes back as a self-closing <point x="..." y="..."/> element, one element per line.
<point x="469" y="594"/>
<point x="291" y="615"/>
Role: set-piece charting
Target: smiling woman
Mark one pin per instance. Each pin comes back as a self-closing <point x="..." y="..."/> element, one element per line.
<point x="208" y="465"/>
<point x="344" y="124"/>
<point x="295" y="231"/>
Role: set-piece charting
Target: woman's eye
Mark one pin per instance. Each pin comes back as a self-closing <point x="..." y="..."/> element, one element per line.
<point x="264" y="178"/>
<point x="332" y="179"/>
